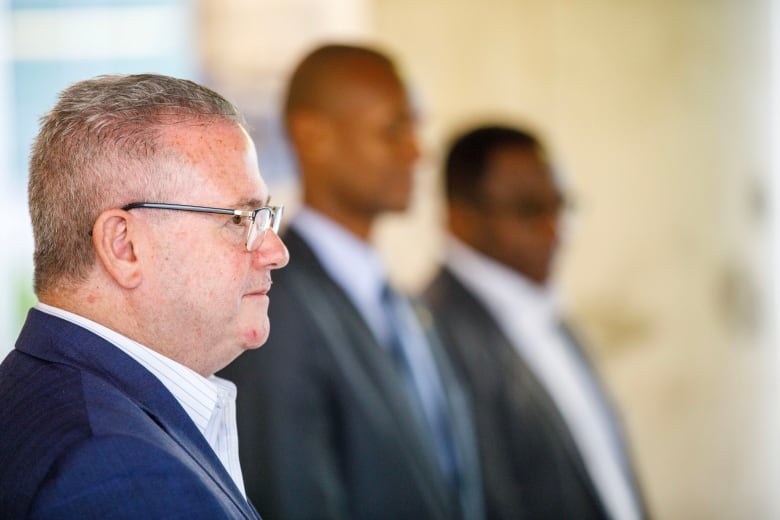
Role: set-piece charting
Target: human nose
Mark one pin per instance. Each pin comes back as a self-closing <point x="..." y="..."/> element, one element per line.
<point x="412" y="148"/>
<point x="550" y="227"/>
<point x="272" y="253"/>
<point x="407" y="147"/>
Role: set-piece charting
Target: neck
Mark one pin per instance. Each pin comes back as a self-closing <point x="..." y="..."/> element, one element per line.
<point x="356" y="223"/>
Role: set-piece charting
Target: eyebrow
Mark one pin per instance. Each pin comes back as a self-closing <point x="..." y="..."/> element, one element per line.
<point x="253" y="203"/>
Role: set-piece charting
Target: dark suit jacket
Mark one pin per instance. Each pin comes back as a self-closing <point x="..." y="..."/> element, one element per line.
<point x="87" y="432"/>
<point x="531" y="466"/>
<point x="325" y="429"/>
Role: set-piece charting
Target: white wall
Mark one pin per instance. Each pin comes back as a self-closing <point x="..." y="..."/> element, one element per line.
<point x="659" y="114"/>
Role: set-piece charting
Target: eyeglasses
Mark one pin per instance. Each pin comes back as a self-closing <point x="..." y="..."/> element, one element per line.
<point x="261" y="219"/>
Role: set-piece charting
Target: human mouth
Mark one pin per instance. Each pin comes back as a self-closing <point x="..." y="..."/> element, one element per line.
<point x="262" y="290"/>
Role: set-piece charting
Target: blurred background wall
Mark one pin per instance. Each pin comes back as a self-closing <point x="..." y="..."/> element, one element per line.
<point x="659" y="115"/>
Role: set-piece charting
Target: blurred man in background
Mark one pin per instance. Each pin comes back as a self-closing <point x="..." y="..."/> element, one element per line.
<point x="109" y="406"/>
<point x="352" y="410"/>
<point x="550" y="443"/>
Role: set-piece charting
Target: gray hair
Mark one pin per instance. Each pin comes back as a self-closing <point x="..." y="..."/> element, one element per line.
<point x="99" y="148"/>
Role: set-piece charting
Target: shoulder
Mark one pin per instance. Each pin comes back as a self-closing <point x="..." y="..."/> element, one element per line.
<point x="41" y="402"/>
<point x="442" y="286"/>
<point x="59" y="401"/>
<point x="74" y="446"/>
<point x="48" y="410"/>
<point x="125" y="476"/>
<point x="450" y="301"/>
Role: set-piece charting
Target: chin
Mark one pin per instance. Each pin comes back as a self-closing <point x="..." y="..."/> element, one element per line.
<point x="257" y="339"/>
<point x="256" y="334"/>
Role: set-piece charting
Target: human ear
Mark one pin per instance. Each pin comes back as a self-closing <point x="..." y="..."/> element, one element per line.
<point x="112" y="238"/>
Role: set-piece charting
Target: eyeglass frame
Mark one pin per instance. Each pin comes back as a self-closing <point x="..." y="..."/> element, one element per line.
<point x="274" y="218"/>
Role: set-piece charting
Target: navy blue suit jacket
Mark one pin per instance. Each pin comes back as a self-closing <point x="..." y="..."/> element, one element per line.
<point x="87" y="432"/>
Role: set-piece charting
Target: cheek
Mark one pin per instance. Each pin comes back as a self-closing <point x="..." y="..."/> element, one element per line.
<point x="369" y="156"/>
<point x="219" y="281"/>
<point x="513" y="241"/>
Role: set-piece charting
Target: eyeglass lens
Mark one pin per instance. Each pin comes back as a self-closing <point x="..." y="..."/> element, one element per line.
<point x="264" y="219"/>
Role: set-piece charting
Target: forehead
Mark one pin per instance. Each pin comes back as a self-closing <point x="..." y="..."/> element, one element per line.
<point x="518" y="170"/>
<point x="364" y="88"/>
<point x="217" y="162"/>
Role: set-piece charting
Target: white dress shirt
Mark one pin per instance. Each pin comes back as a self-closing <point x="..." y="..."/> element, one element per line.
<point x="209" y="402"/>
<point x="529" y="315"/>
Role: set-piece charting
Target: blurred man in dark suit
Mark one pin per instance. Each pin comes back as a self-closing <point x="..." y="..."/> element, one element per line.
<point x="352" y="409"/>
<point x="550" y="442"/>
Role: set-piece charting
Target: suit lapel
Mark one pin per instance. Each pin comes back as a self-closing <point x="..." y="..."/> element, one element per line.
<point x="516" y="372"/>
<point x="365" y="365"/>
<point x="616" y="430"/>
<point x="51" y="338"/>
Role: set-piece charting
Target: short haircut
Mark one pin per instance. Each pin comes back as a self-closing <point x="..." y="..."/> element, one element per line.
<point x="100" y="148"/>
<point x="467" y="160"/>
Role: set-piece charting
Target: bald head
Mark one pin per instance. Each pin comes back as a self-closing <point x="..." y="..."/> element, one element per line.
<point x="319" y="81"/>
<point x="352" y="129"/>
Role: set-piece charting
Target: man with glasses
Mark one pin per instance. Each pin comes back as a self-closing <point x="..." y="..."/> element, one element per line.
<point x="154" y="246"/>
<point x="550" y="442"/>
<point x="352" y="409"/>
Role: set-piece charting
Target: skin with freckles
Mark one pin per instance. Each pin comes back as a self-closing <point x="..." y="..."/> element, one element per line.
<point x="212" y="292"/>
<point x="183" y="283"/>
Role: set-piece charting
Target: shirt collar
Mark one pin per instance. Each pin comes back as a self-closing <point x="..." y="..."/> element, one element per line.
<point x="196" y="394"/>
<point x="499" y="286"/>
<point x="363" y="275"/>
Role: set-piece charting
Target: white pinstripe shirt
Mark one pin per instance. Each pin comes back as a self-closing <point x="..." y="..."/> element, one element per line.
<point x="209" y="402"/>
